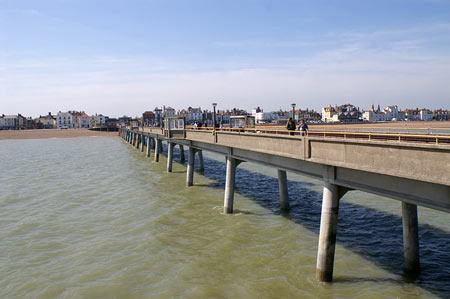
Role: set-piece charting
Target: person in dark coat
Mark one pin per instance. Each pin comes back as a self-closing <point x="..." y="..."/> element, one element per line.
<point x="290" y="126"/>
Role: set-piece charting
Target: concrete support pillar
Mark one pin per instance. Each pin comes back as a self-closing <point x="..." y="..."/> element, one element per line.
<point x="228" y="201"/>
<point x="157" y="148"/>
<point x="148" y="146"/>
<point x="132" y="140"/>
<point x="200" y="161"/>
<point x="328" y="228"/>
<point x="169" y="156"/>
<point x="190" y="167"/>
<point x="160" y="146"/>
<point x="138" y="142"/>
<point x="410" y="239"/>
<point x="135" y="137"/>
<point x="142" y="143"/>
<point x="153" y="143"/>
<point x="182" y="158"/>
<point x="282" y="184"/>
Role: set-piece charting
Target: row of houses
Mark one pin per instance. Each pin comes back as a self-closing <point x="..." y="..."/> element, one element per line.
<point x="392" y="113"/>
<point x="343" y="113"/>
<point x="350" y="113"/>
<point x="62" y="120"/>
<point x="191" y="114"/>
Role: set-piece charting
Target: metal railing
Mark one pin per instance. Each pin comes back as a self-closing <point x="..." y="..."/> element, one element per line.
<point x="379" y="136"/>
<point x="396" y="130"/>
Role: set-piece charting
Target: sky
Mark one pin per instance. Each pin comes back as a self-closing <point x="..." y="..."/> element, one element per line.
<point x="126" y="57"/>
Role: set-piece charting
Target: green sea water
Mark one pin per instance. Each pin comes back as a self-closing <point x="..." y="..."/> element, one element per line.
<point x="93" y="217"/>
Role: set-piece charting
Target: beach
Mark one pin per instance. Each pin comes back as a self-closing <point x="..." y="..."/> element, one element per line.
<point x="51" y="133"/>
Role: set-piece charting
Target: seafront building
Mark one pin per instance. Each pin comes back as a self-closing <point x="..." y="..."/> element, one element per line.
<point x="46" y="122"/>
<point x="441" y="115"/>
<point x="64" y="120"/>
<point x="343" y="113"/>
<point x="13" y="122"/>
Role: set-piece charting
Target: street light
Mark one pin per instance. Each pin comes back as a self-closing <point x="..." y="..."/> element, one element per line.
<point x="293" y="111"/>
<point x="214" y="115"/>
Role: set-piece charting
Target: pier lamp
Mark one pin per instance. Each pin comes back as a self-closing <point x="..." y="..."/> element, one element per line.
<point x="293" y="111"/>
<point x="214" y="115"/>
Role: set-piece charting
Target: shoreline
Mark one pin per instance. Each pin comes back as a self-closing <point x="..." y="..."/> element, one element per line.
<point x="52" y="133"/>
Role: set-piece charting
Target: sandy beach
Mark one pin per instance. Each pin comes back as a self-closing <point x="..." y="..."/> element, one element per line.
<point x="51" y="133"/>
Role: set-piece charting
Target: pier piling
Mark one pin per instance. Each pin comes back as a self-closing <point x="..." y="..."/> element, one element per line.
<point x="157" y="149"/>
<point x="148" y="146"/>
<point x="200" y="161"/>
<point x="228" y="201"/>
<point x="328" y="227"/>
<point x="169" y="156"/>
<point x="182" y="158"/>
<point x="410" y="239"/>
<point x="284" y="196"/>
<point x="190" y="167"/>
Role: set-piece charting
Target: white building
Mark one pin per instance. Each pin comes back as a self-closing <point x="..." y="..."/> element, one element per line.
<point x="195" y="114"/>
<point x="64" y="120"/>
<point x="169" y="112"/>
<point x="391" y="113"/>
<point x="97" y="120"/>
<point x="425" y="115"/>
<point x="261" y="116"/>
<point x="374" y="115"/>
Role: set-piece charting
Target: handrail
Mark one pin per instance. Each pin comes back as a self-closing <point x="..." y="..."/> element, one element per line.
<point x="437" y="139"/>
<point x="330" y="128"/>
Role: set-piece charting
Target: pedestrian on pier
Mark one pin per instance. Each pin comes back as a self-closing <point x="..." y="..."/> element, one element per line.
<point x="303" y="127"/>
<point x="290" y="126"/>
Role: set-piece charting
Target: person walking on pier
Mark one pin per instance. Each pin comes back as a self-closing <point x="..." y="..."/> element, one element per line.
<point x="290" y="126"/>
<point x="303" y="127"/>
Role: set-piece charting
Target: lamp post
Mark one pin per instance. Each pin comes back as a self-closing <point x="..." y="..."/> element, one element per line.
<point x="214" y="115"/>
<point x="293" y="111"/>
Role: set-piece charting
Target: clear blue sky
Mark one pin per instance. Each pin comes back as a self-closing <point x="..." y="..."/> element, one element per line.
<point x="125" y="57"/>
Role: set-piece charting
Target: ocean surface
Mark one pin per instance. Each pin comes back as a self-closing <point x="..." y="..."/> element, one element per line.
<point x="93" y="217"/>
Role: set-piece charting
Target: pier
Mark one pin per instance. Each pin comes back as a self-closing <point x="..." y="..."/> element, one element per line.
<point x="413" y="173"/>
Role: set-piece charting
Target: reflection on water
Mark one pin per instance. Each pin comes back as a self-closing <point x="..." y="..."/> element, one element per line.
<point x="93" y="217"/>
